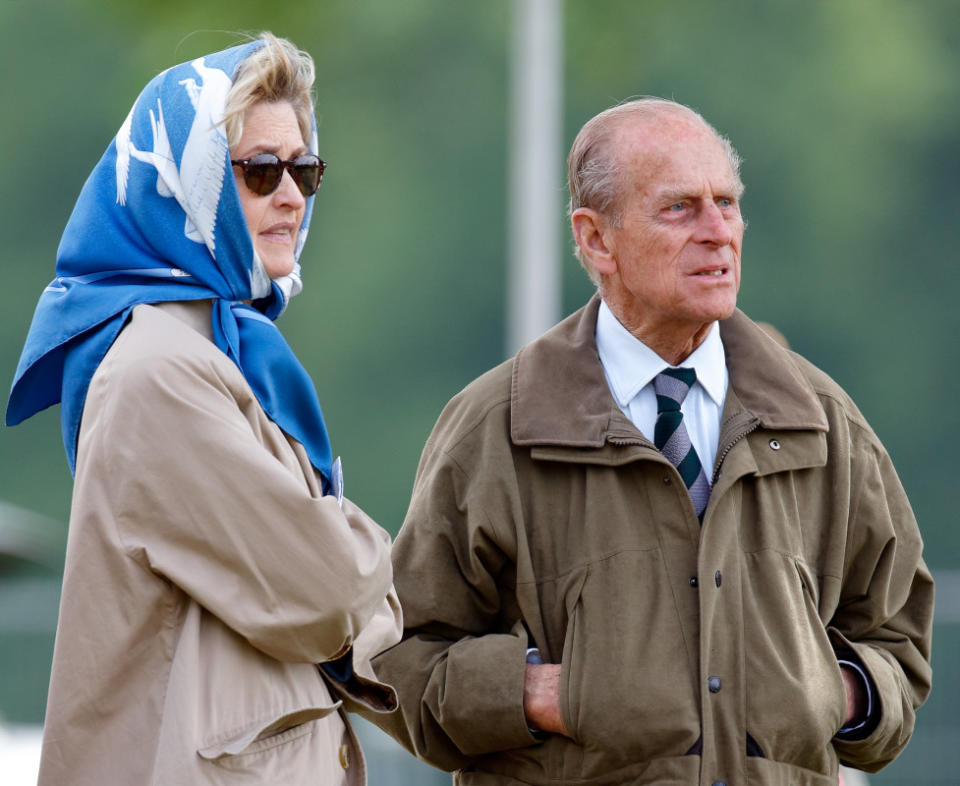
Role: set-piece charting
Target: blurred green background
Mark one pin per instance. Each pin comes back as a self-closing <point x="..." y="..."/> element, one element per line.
<point x="845" y="111"/>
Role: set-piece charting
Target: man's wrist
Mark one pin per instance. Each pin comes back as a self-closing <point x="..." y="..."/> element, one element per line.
<point x="534" y="658"/>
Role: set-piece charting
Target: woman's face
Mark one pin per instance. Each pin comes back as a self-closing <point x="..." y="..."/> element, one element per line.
<point x="273" y="220"/>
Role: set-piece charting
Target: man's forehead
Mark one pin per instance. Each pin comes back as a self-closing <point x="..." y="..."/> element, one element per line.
<point x="658" y="124"/>
<point x="663" y="134"/>
<point x="673" y="152"/>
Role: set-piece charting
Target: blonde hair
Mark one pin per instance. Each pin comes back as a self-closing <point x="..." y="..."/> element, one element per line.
<point x="593" y="166"/>
<point x="276" y="71"/>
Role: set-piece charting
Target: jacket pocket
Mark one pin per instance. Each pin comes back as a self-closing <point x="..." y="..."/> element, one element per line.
<point x="835" y="700"/>
<point x="795" y="695"/>
<point x="265" y="733"/>
<point x="569" y="705"/>
<point x="627" y="691"/>
<point x="244" y="699"/>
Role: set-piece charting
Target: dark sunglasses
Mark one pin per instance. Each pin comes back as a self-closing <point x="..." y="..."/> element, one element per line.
<point x="264" y="171"/>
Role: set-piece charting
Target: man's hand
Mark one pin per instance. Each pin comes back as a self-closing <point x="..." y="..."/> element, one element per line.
<point x="541" y="697"/>
<point x="856" y="696"/>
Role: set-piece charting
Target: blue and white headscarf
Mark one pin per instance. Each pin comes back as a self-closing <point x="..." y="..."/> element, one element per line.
<point x="160" y="219"/>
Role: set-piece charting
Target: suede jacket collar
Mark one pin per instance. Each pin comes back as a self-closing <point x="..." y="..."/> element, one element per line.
<point x="559" y="396"/>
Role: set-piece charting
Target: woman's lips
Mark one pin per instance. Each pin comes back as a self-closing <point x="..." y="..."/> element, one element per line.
<point x="279" y="233"/>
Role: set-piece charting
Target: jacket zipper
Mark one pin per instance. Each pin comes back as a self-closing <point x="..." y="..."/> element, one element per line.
<point x="729" y="446"/>
<point x="643" y="442"/>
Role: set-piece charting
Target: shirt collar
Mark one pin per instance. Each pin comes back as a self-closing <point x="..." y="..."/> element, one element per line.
<point x="631" y="365"/>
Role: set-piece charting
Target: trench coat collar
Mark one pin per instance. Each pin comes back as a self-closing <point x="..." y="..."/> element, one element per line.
<point x="559" y="395"/>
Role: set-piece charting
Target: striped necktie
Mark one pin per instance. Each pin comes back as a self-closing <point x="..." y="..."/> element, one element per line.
<point x="671" y="437"/>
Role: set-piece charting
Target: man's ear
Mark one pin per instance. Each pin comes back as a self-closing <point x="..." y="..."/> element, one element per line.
<point x="591" y="234"/>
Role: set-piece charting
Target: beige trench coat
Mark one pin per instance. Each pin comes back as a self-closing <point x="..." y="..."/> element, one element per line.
<point x="690" y="655"/>
<point x="205" y="577"/>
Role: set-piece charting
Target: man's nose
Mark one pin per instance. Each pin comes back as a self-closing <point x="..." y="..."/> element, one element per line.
<point x="712" y="226"/>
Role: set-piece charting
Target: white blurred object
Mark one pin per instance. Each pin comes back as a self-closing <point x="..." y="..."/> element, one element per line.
<point x="850" y="777"/>
<point x="30" y="536"/>
<point x="20" y="754"/>
<point x="535" y="169"/>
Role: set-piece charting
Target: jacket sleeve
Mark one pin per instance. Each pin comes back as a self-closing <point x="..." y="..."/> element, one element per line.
<point x="362" y="692"/>
<point x="199" y="500"/>
<point x="459" y="669"/>
<point x="885" y="613"/>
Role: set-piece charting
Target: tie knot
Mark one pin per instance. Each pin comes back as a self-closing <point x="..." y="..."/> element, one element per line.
<point x="671" y="386"/>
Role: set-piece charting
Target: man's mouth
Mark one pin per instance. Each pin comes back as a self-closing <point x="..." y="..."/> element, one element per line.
<point x="715" y="272"/>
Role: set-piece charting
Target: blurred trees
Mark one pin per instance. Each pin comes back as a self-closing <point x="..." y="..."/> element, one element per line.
<point x="845" y="114"/>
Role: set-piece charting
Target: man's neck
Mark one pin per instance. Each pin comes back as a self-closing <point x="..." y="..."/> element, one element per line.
<point x="674" y="343"/>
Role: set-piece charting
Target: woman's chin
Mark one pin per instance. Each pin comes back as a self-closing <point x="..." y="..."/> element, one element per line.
<point x="277" y="265"/>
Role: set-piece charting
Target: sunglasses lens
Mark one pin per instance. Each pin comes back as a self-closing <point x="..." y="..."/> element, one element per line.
<point x="263" y="173"/>
<point x="307" y="174"/>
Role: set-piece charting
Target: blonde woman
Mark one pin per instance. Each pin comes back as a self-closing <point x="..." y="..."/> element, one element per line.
<point x="212" y="560"/>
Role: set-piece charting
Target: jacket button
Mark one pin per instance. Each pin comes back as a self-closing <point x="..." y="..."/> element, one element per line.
<point x="774" y="444"/>
<point x="693" y="582"/>
<point x="718" y="578"/>
<point x="714" y="684"/>
<point x="345" y="757"/>
<point x="666" y="481"/>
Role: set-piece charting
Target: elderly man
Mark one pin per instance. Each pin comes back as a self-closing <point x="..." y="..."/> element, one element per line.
<point x="656" y="547"/>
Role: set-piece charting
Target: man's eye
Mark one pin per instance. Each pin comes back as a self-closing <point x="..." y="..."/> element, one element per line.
<point x="724" y="202"/>
<point x="676" y="207"/>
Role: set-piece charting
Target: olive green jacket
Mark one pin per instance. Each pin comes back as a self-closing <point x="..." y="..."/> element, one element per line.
<point x="690" y="654"/>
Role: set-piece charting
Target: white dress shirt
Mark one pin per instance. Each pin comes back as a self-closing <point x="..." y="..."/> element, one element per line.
<point x="630" y="366"/>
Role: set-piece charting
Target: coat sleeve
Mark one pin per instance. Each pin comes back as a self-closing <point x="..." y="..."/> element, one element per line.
<point x="885" y="613"/>
<point x="171" y="456"/>
<point x="362" y="692"/>
<point x="459" y="669"/>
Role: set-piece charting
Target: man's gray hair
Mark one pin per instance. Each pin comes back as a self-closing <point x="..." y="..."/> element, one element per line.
<point x="593" y="167"/>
